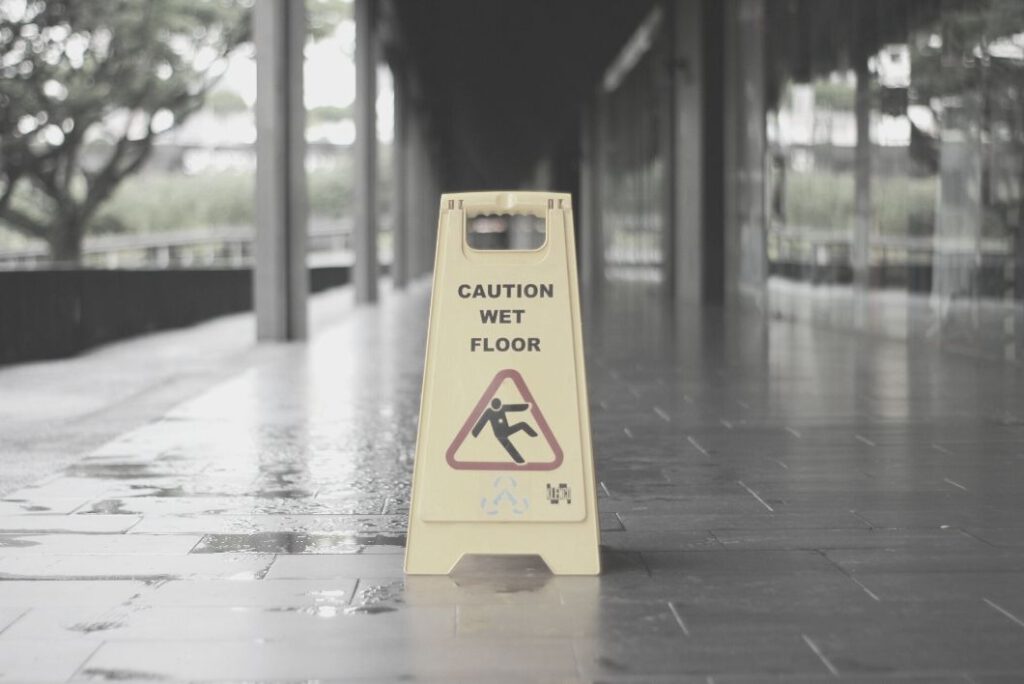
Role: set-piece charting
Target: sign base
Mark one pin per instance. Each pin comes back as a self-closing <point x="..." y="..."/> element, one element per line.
<point x="440" y="546"/>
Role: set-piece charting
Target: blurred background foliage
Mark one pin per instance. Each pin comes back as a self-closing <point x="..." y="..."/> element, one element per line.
<point x="105" y="109"/>
<point x="85" y="88"/>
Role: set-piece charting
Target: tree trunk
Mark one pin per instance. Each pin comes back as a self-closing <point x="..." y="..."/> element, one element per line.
<point x="65" y="245"/>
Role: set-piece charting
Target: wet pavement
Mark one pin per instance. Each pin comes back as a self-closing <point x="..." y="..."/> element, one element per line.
<point x="778" y="503"/>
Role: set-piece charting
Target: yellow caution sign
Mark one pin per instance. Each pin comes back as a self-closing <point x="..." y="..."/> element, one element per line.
<point x="503" y="456"/>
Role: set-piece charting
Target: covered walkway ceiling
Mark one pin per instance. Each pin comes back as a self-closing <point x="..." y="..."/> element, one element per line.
<point x="503" y="80"/>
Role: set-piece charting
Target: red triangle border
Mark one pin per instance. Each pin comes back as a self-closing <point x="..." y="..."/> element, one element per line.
<point x="545" y="429"/>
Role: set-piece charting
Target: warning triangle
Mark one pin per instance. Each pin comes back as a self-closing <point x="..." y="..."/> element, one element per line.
<point x="506" y="427"/>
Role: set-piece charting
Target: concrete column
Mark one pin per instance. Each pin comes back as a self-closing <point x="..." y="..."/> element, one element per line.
<point x="713" y="162"/>
<point x="687" y="153"/>
<point x="863" y="220"/>
<point x="427" y="200"/>
<point x="666" y="132"/>
<point x="697" y="150"/>
<point x="432" y="198"/>
<point x="732" y="121"/>
<point x="416" y="218"/>
<point x="365" y="269"/>
<point x="400" y="271"/>
<point x="588" y="227"/>
<point x="744" y="144"/>
<point x="280" y="276"/>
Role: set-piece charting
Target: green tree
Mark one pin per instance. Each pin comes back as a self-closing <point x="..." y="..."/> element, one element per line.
<point x="224" y="102"/>
<point x="84" y="89"/>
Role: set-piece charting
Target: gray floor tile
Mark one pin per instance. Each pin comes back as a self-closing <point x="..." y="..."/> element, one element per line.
<point x="1000" y="536"/>
<point x="300" y="594"/>
<point x="916" y="540"/>
<point x="337" y="566"/>
<point x="329" y="659"/>
<point x="98" y="593"/>
<point x="980" y="558"/>
<point x="22" y="544"/>
<point x="256" y="523"/>
<point x="226" y="622"/>
<point x="932" y="585"/>
<point x="93" y="524"/>
<point x="42" y="661"/>
<point x="747" y="650"/>
<point x="9" y="615"/>
<point x="716" y="562"/>
<point x="35" y="506"/>
<point x="120" y="566"/>
<point x="634" y="620"/>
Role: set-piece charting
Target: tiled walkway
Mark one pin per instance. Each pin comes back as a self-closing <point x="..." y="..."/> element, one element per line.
<point x="777" y="502"/>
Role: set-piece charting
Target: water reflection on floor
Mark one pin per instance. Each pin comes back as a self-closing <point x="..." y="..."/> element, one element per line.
<point x="776" y="502"/>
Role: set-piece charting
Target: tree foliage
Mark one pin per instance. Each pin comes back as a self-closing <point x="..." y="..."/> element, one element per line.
<point x="84" y="89"/>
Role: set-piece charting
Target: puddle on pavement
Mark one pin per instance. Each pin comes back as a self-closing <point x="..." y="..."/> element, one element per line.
<point x="109" y="507"/>
<point x="103" y="674"/>
<point x="369" y="610"/>
<point x="381" y="526"/>
<point x="327" y="603"/>
<point x="315" y="611"/>
<point x="294" y="543"/>
<point x="158" y="491"/>
<point x="92" y="627"/>
<point x="283" y="493"/>
<point x="118" y="471"/>
<point x="15" y="541"/>
<point x="374" y="599"/>
<point x="25" y="505"/>
<point x="242" y="505"/>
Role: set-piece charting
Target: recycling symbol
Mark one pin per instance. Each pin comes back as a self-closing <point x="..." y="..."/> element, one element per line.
<point x="503" y="498"/>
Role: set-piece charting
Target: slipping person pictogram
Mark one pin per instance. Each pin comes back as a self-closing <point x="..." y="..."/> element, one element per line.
<point x="495" y="415"/>
<point x="537" y="454"/>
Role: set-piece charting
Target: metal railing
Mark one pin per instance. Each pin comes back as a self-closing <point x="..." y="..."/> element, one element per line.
<point x="329" y="244"/>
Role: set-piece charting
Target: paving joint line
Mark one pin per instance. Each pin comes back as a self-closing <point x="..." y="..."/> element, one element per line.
<point x="15" y="620"/>
<point x="955" y="484"/>
<point x="697" y="445"/>
<point x="679" y="619"/>
<point x="977" y="538"/>
<point x="849" y="575"/>
<point x="821" y="656"/>
<point x="85" y="661"/>
<point x="619" y="518"/>
<point x="755" y="495"/>
<point x="135" y="524"/>
<point x="871" y="525"/>
<point x="1010" y="616"/>
<point x="865" y="440"/>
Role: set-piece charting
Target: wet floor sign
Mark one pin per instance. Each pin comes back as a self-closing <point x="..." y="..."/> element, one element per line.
<point x="503" y="455"/>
